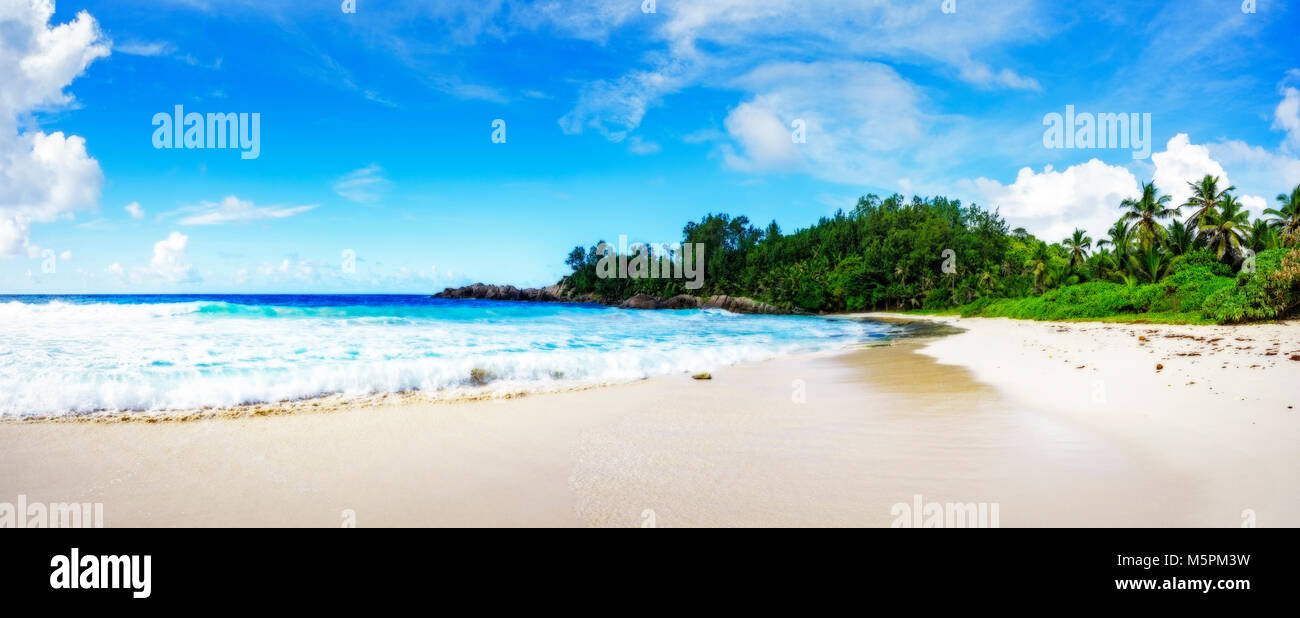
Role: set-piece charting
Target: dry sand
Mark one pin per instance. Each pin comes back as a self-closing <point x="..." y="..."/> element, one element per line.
<point x="999" y="414"/>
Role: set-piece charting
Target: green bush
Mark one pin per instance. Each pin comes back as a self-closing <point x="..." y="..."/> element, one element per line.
<point x="1199" y="259"/>
<point x="1183" y="293"/>
<point x="1269" y="293"/>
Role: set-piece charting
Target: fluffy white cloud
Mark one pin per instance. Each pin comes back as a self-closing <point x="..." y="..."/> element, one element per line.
<point x="42" y="176"/>
<point x="169" y="260"/>
<point x="234" y="210"/>
<point x="1287" y="117"/>
<point x="1183" y="162"/>
<point x="859" y="121"/>
<point x="765" y="141"/>
<point x="1052" y="203"/>
<point x="134" y="210"/>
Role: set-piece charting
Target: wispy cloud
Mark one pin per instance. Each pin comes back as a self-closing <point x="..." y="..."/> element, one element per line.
<point x="139" y="48"/>
<point x="363" y="185"/>
<point x="234" y="210"/>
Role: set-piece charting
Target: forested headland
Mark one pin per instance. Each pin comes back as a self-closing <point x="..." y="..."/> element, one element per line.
<point x="1201" y="261"/>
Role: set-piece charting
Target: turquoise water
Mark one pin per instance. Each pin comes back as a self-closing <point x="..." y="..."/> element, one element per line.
<point x="63" y="355"/>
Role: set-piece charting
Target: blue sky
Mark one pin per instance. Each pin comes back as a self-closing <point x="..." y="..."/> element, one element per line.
<point x="376" y="126"/>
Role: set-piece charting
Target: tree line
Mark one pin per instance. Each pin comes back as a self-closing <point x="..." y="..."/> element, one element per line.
<point x="890" y="253"/>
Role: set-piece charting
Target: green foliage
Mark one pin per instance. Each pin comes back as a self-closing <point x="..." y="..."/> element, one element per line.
<point x="939" y="255"/>
<point x="885" y="254"/>
<point x="1269" y="293"/>
<point x="1201" y="259"/>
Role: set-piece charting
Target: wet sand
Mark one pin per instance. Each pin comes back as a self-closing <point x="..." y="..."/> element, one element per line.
<point x="876" y="427"/>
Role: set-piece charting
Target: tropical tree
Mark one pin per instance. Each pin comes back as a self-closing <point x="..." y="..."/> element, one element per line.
<point x="1149" y="264"/>
<point x="1145" y="213"/>
<point x="1225" y="230"/>
<point x="1206" y="197"/>
<point x="1287" y="215"/>
<point x="1078" y="246"/>
<point x="1180" y="237"/>
<point x="1038" y="263"/>
<point x="1059" y="274"/>
<point x="1117" y="237"/>
<point x="1263" y="235"/>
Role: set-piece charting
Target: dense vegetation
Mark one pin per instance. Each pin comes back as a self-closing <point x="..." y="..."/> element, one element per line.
<point x="940" y="255"/>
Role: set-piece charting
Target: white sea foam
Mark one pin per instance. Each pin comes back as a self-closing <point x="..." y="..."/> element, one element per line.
<point x="61" y="358"/>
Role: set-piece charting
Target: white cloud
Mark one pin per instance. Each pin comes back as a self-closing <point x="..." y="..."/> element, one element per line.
<point x="1287" y="117"/>
<point x="764" y="140"/>
<point x="1257" y="170"/>
<point x="363" y="185"/>
<point x="43" y="177"/>
<point x="1183" y="162"/>
<point x="705" y="43"/>
<point x="1051" y="204"/>
<point x="66" y="255"/>
<point x="134" y="210"/>
<point x="1255" y="204"/>
<point x="615" y="107"/>
<point x="139" y="48"/>
<point x="169" y="260"/>
<point x="861" y="121"/>
<point x="234" y="210"/>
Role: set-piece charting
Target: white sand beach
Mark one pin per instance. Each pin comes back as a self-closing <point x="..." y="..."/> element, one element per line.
<point x="1057" y="424"/>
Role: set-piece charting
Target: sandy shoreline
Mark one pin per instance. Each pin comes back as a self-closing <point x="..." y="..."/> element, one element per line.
<point x="1000" y="413"/>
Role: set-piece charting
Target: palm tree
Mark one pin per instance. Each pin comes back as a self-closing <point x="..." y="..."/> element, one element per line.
<point x="1180" y="237"/>
<point x="1263" y="236"/>
<point x="1287" y="215"/>
<point x="1078" y="246"/>
<point x="1038" y="262"/>
<point x="1224" y="230"/>
<point x="1149" y="264"/>
<point x="1060" y="274"/>
<point x="1117" y="237"/>
<point x="1146" y="213"/>
<point x="987" y="281"/>
<point x="1206" y="197"/>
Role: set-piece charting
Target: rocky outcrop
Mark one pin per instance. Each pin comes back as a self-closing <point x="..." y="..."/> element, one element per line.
<point x="740" y="304"/>
<point x="560" y="293"/>
<point x="502" y="292"/>
<point x="681" y="301"/>
<point x="640" y="301"/>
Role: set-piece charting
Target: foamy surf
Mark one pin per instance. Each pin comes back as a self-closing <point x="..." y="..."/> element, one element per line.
<point x="67" y="356"/>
